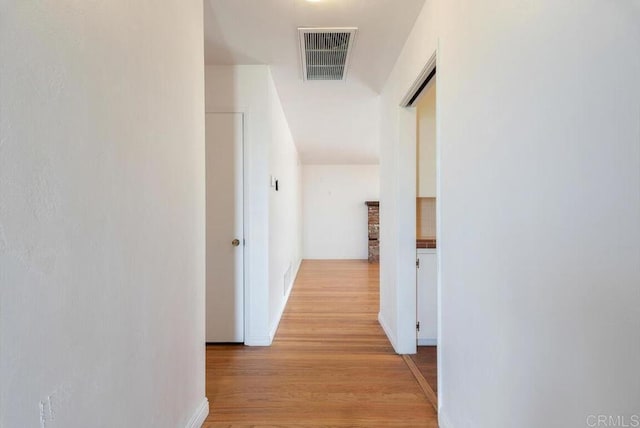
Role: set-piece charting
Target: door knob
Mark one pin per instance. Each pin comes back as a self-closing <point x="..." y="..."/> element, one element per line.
<point x="235" y="242"/>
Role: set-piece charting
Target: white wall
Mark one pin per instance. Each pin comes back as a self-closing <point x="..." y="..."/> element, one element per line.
<point x="272" y="220"/>
<point x="559" y="163"/>
<point x="244" y="89"/>
<point x="101" y="214"/>
<point x="539" y="317"/>
<point x="398" y="187"/>
<point x="335" y="216"/>
<point x="285" y="211"/>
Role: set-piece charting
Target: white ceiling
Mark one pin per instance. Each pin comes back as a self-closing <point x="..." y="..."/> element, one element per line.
<point x="332" y="122"/>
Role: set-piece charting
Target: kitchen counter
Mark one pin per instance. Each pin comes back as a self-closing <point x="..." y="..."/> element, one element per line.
<point x="426" y="242"/>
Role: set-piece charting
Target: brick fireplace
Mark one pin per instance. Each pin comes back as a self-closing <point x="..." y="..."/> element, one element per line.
<point x="373" y="208"/>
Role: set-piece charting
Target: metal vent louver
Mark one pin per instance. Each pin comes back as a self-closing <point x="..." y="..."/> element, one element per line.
<point x="326" y="52"/>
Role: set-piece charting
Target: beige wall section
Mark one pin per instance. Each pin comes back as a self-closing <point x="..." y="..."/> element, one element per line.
<point x="101" y="214"/>
<point x="426" y="218"/>
<point x="426" y="149"/>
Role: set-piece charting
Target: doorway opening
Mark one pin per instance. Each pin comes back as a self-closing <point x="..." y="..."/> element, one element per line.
<point x="421" y="99"/>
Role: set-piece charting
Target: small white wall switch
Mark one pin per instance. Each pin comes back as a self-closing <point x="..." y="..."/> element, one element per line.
<point x="273" y="181"/>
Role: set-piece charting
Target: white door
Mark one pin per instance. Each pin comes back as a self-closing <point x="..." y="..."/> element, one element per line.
<point x="225" y="238"/>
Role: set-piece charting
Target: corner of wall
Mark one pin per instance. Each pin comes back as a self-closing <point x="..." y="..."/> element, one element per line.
<point x="258" y="340"/>
<point x="200" y="415"/>
<point x="387" y="331"/>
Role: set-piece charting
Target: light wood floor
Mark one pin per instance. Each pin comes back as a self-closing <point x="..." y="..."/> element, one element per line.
<point x="427" y="362"/>
<point x="330" y="364"/>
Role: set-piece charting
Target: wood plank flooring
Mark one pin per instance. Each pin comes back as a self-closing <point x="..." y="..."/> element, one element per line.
<point x="428" y="392"/>
<point x="330" y="364"/>
<point x="427" y="362"/>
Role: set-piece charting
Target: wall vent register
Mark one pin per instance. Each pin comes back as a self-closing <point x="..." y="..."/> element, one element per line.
<point x="326" y="52"/>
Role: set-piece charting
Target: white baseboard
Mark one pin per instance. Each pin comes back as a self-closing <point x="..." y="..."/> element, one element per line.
<point x="276" y="324"/>
<point x="427" y="342"/>
<point x="387" y="331"/>
<point x="443" y="420"/>
<point x="201" y="413"/>
<point x="257" y="341"/>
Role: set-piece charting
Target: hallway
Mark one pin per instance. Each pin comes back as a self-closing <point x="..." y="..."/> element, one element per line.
<point x="330" y="363"/>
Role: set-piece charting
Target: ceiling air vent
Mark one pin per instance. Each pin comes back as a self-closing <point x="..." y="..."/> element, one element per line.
<point x="326" y="52"/>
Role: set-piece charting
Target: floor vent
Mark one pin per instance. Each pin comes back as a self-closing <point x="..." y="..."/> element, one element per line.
<point x="326" y="52"/>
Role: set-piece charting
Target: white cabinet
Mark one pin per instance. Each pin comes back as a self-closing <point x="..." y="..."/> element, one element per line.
<point x="427" y="296"/>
